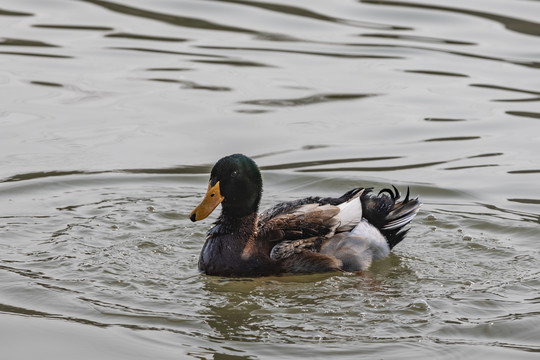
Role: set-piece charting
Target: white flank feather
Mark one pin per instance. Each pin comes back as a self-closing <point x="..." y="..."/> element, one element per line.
<point x="377" y="242"/>
<point x="350" y="213"/>
<point x="359" y="248"/>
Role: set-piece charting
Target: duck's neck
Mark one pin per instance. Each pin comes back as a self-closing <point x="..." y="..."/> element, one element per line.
<point x="236" y="210"/>
<point x="244" y="232"/>
<point x="242" y="227"/>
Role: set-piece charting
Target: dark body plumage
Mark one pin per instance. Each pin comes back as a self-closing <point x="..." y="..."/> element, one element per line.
<point x="308" y="235"/>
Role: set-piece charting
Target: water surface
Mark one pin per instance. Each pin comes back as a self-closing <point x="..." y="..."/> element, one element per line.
<point x="112" y="114"/>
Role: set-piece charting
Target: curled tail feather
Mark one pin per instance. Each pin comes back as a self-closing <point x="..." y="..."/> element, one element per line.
<point x="390" y="215"/>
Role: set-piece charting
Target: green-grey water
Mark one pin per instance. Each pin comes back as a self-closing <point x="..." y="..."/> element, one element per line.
<point x="113" y="112"/>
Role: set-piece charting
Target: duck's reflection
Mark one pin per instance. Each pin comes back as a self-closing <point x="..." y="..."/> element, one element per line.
<point x="284" y="309"/>
<point x="231" y="310"/>
<point x="246" y="309"/>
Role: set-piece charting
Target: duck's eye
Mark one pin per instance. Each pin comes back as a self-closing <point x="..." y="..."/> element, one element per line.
<point x="234" y="173"/>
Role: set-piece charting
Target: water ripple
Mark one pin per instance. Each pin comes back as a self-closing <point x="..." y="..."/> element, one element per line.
<point x="302" y="52"/>
<point x="511" y="23"/>
<point x="417" y="38"/>
<point x="531" y="63"/>
<point x="232" y="62"/>
<point x="376" y="168"/>
<point x="505" y="88"/>
<point x="73" y="27"/>
<point x="296" y="165"/>
<point x="4" y="12"/>
<point x="193" y="85"/>
<point x="529" y="114"/>
<point x="46" y="83"/>
<point x="123" y="35"/>
<point x="306" y="13"/>
<point x="453" y="138"/>
<point x="169" y="52"/>
<point x="20" y="53"/>
<point x="436" y="73"/>
<point x="531" y="171"/>
<point x="183" y="21"/>
<point x="24" y="42"/>
<point x="308" y="100"/>
<point x="444" y="120"/>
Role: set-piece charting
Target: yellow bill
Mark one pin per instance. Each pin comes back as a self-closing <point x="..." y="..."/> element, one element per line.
<point x="211" y="200"/>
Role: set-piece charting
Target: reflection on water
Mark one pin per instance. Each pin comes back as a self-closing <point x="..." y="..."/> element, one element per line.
<point x="113" y="112"/>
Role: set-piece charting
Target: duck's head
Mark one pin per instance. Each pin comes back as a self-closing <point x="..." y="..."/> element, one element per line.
<point x="236" y="184"/>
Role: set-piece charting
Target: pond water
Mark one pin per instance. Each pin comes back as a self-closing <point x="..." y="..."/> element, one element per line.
<point x="113" y="112"/>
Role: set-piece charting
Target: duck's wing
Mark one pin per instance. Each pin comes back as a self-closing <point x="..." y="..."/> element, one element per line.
<point x="296" y="238"/>
<point x="290" y="206"/>
<point x="300" y="225"/>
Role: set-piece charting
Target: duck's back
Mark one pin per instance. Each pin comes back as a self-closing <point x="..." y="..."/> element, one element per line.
<point x="315" y="233"/>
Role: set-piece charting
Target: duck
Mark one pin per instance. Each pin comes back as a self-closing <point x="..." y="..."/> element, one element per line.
<point x="304" y="236"/>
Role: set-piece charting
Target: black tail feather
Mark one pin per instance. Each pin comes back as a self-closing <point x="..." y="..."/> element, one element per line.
<point x="388" y="214"/>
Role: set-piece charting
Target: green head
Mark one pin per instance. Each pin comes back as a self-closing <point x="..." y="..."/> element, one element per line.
<point x="236" y="183"/>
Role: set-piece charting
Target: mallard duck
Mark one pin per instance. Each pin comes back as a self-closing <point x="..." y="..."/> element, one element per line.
<point x="310" y="235"/>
